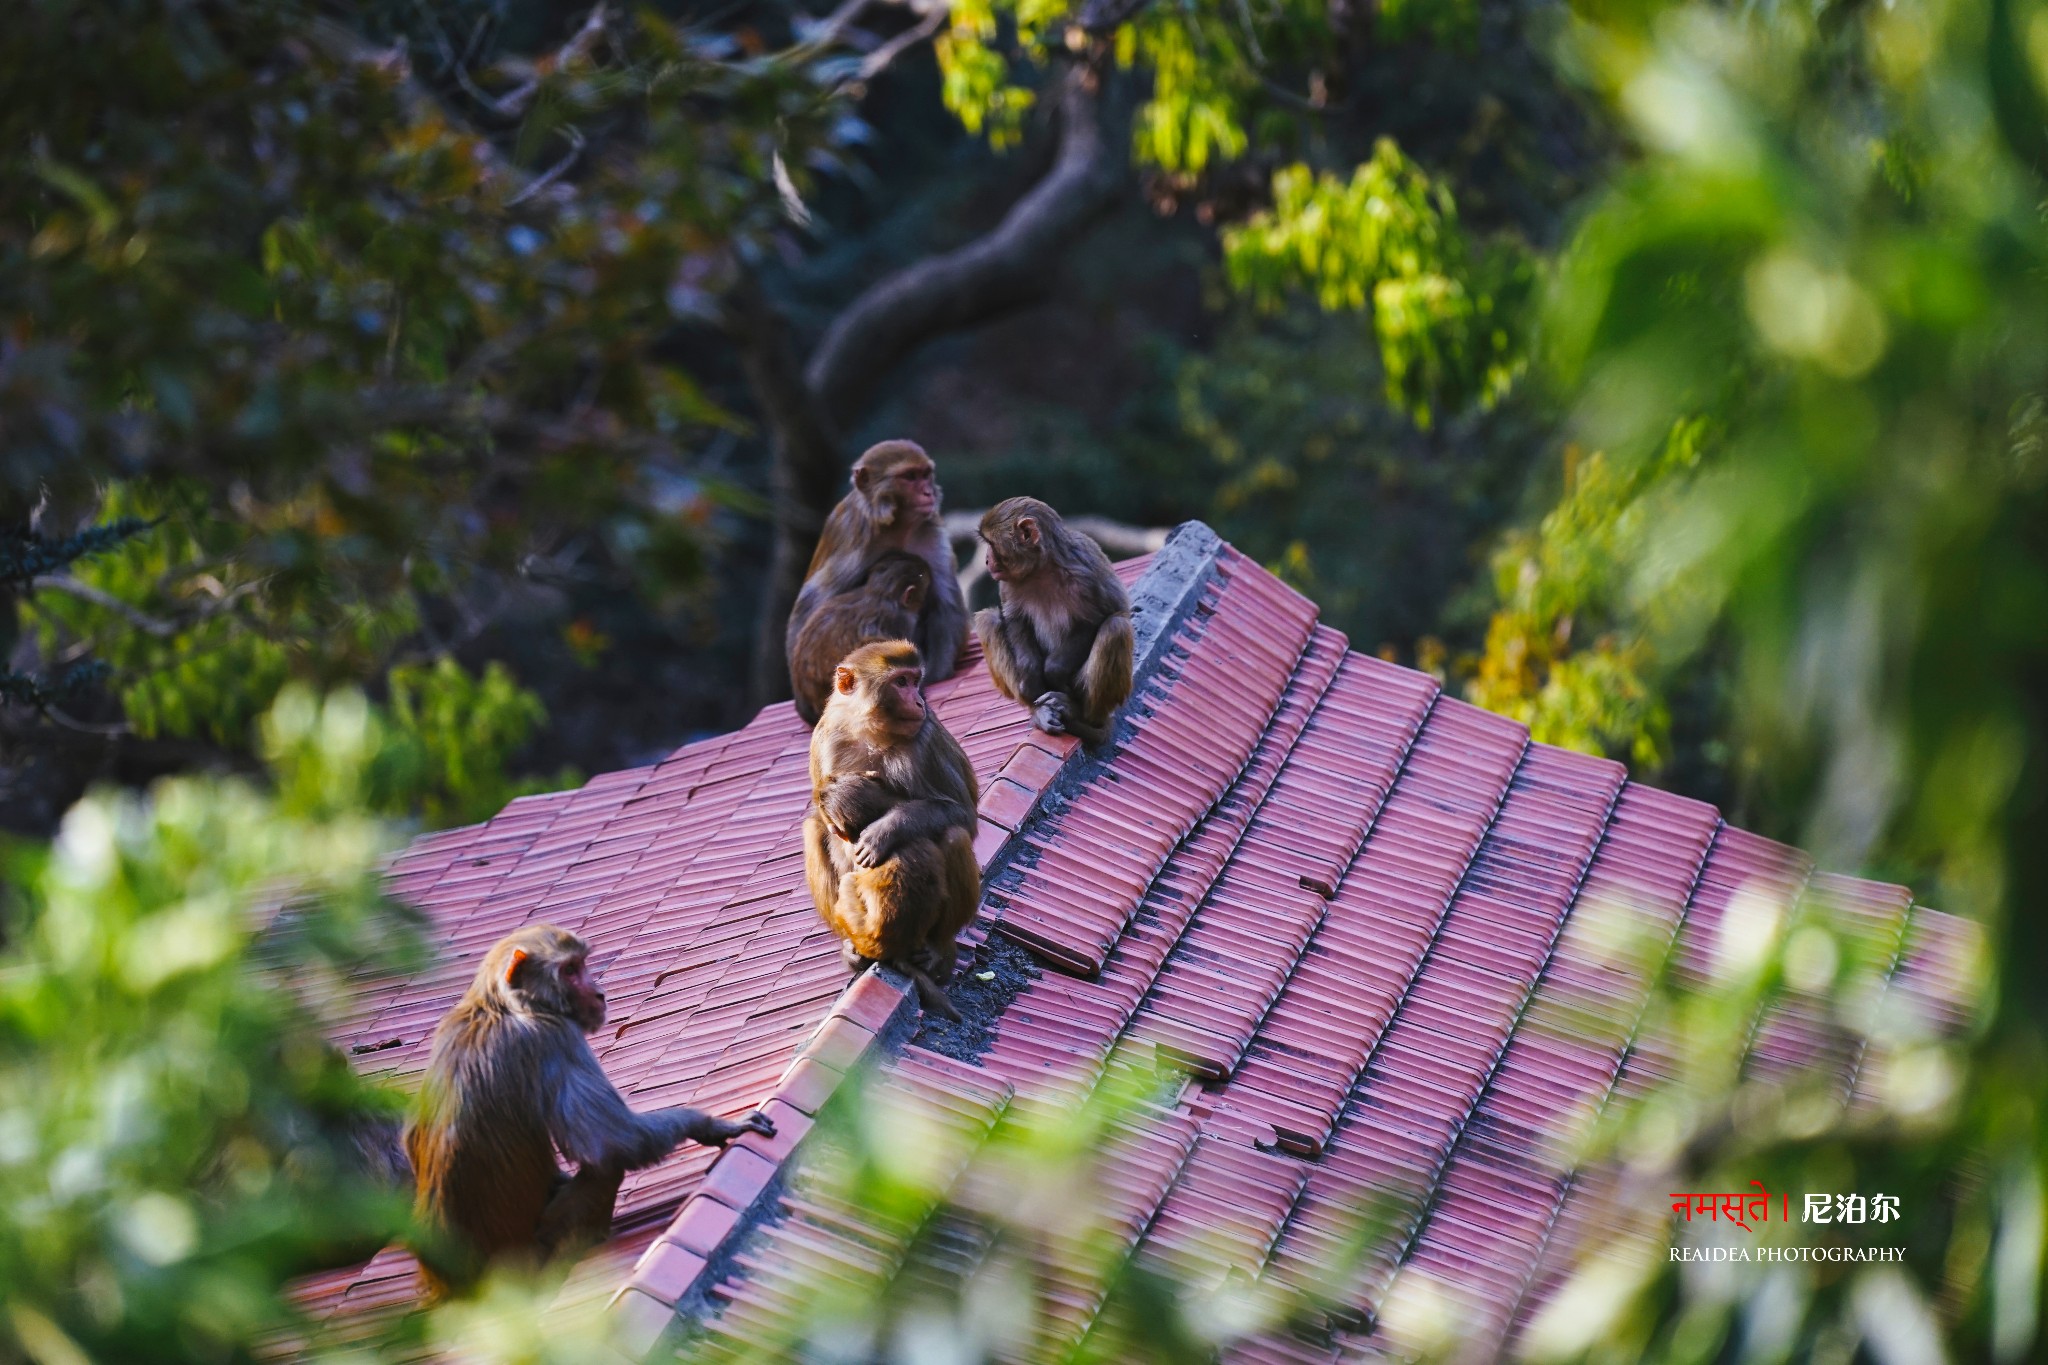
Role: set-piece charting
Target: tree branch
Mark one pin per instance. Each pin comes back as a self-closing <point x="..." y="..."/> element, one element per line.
<point x="876" y="62"/>
<point x="1004" y="268"/>
<point x="513" y="102"/>
<point x="1117" y="537"/>
<point x="1121" y="539"/>
<point x="805" y="469"/>
<point x="85" y="592"/>
<point x="540" y="184"/>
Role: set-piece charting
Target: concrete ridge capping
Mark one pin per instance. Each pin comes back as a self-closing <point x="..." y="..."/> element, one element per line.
<point x="670" y="1285"/>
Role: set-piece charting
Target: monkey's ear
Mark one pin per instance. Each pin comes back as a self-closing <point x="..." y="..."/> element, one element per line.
<point x="913" y="595"/>
<point x="1027" y="527"/>
<point x="860" y="478"/>
<point x="512" y="967"/>
<point x="842" y="681"/>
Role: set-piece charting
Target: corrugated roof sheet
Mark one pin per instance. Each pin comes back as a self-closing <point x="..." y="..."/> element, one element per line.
<point x="1403" y="951"/>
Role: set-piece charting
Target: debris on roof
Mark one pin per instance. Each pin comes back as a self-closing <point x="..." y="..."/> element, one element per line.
<point x="1403" y="952"/>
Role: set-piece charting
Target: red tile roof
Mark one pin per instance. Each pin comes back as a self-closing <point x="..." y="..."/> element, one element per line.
<point x="1403" y="950"/>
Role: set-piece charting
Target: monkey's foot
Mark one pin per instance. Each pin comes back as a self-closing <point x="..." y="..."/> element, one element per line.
<point x="1049" y="712"/>
<point x="851" y="956"/>
<point x="934" y="963"/>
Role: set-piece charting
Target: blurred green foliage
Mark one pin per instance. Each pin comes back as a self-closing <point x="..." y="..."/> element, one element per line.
<point x="1388" y="240"/>
<point x="466" y="730"/>
<point x="201" y="627"/>
<point x="175" y="1131"/>
<point x="1831" y="250"/>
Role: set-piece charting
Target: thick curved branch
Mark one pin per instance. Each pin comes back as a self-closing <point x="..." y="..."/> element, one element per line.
<point x="1008" y="266"/>
<point x="1121" y="539"/>
<point x="805" y="468"/>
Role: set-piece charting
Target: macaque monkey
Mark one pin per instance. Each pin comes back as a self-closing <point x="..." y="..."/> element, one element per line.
<point x="882" y="606"/>
<point x="894" y="505"/>
<point x="511" y="1080"/>
<point x="1060" y="639"/>
<point x="889" y="842"/>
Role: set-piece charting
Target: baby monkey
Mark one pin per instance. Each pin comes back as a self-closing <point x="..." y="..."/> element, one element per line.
<point x="889" y="841"/>
<point x="884" y="605"/>
<point x="1060" y="641"/>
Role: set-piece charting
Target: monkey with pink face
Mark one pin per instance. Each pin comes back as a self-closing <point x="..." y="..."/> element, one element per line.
<point x="510" y="1082"/>
<point x="1059" y="639"/>
<point x="893" y="505"/>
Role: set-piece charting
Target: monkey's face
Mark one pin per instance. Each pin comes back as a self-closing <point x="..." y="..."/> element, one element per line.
<point x="892" y="698"/>
<point x="545" y="970"/>
<point x="899" y="701"/>
<point x="582" y="998"/>
<point x="1014" y="550"/>
<point x="904" y="491"/>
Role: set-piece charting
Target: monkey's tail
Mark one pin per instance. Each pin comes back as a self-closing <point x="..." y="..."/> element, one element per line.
<point x="929" y="995"/>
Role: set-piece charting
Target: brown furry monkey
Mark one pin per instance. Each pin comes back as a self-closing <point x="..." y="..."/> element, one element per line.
<point x="1060" y="641"/>
<point x="889" y="842"/>
<point x="893" y="505"/>
<point x="511" y="1081"/>
<point x="882" y="606"/>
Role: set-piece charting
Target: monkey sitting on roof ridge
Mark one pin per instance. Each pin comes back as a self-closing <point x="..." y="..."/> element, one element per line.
<point x="1060" y="640"/>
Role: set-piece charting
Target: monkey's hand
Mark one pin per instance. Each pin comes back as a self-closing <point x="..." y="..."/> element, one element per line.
<point x="1049" y="712"/>
<point x="877" y="842"/>
<point x="718" y="1132"/>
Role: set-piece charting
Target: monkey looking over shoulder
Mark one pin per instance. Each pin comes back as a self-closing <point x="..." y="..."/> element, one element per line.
<point x="893" y="505"/>
<point x="889" y="841"/>
<point x="511" y="1080"/>
<point x="882" y="606"/>
<point x="1060" y="641"/>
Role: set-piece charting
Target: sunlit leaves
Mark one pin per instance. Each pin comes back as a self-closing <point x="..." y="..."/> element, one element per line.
<point x="1575" y="651"/>
<point x="1388" y="239"/>
<point x="1194" y="115"/>
<point x="1383" y="239"/>
<point x="975" y="85"/>
<point x="467" y="730"/>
